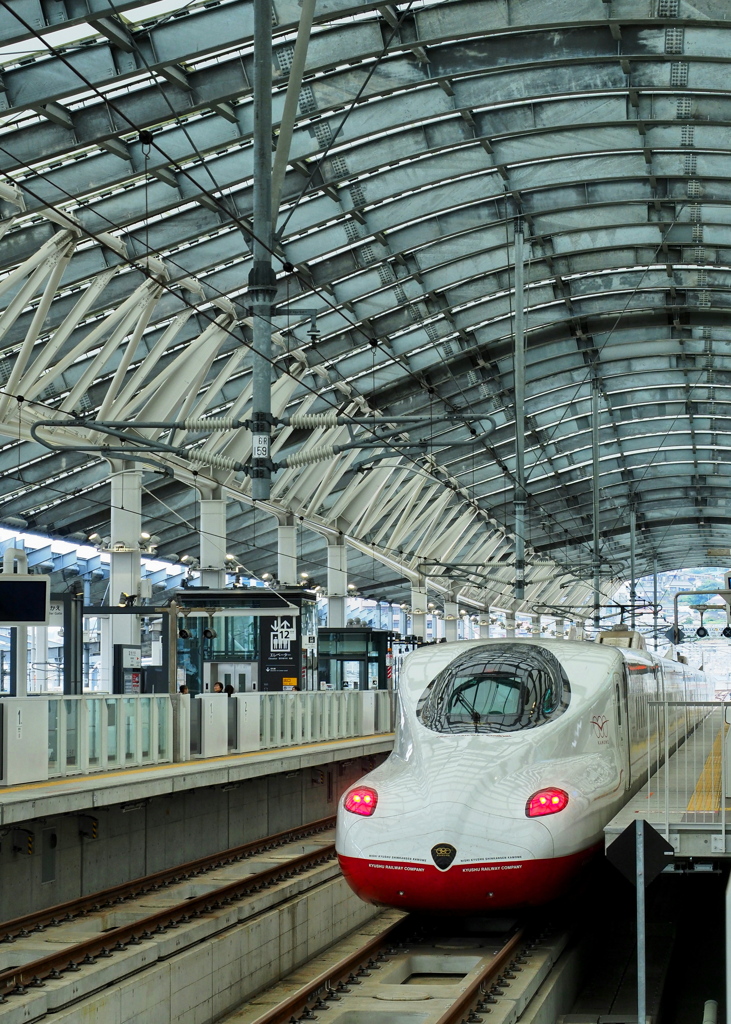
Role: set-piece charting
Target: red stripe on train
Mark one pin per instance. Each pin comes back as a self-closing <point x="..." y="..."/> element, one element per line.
<point x="462" y="887"/>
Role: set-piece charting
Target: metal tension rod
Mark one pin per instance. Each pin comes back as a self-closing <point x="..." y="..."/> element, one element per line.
<point x="145" y="448"/>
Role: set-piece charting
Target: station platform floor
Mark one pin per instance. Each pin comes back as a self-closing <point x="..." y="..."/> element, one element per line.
<point x="687" y="800"/>
<point x="103" y="789"/>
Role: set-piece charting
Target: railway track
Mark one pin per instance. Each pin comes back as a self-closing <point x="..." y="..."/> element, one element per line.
<point x="256" y="866"/>
<point x="404" y="973"/>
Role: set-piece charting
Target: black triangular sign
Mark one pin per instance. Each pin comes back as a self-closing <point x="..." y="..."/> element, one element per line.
<point x="623" y="852"/>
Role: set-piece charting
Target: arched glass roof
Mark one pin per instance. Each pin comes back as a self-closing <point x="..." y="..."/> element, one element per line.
<point x="423" y="132"/>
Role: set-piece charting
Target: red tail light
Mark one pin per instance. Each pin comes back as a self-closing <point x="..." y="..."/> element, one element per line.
<point x="361" y="801"/>
<point x="546" y="801"/>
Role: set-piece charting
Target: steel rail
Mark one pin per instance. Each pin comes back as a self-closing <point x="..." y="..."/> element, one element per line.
<point x="20" y="927"/>
<point x="491" y="972"/>
<point x="15" y="979"/>
<point x="339" y="972"/>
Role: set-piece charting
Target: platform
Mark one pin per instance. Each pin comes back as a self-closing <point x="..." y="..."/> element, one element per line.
<point x="103" y="789"/>
<point x="687" y="799"/>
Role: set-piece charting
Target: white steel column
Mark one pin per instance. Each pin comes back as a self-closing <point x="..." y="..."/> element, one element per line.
<point x="287" y="553"/>
<point x="560" y="628"/>
<point x="213" y="542"/>
<point x="418" y="611"/>
<point x="124" y="559"/>
<point x="510" y="624"/>
<point x="485" y="624"/>
<point x="535" y="627"/>
<point x="451" y="619"/>
<point x="337" y="581"/>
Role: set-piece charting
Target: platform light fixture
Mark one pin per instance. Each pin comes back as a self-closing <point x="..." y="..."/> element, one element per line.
<point x="17" y="521"/>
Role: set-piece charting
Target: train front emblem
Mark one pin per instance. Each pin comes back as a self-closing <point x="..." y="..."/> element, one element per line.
<point x="443" y="854"/>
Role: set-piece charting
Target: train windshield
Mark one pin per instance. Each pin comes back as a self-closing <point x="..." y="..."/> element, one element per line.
<point x="496" y="688"/>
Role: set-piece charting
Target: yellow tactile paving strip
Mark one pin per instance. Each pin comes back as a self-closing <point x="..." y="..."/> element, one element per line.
<point x="148" y="769"/>
<point x="707" y="794"/>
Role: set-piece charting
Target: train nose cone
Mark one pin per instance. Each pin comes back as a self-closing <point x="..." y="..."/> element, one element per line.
<point x="443" y="854"/>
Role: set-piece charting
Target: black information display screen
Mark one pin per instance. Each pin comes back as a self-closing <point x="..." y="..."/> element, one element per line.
<point x="24" y="601"/>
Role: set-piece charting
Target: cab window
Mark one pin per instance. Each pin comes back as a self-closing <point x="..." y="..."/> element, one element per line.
<point x="496" y="688"/>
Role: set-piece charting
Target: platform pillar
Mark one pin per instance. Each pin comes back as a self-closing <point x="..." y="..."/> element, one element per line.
<point x="485" y="625"/>
<point x="560" y="629"/>
<point x="287" y="553"/>
<point x="535" y="627"/>
<point x="419" y="604"/>
<point x="124" y="555"/>
<point x="337" y="581"/>
<point x="451" y="618"/>
<point x="510" y="624"/>
<point x="213" y="542"/>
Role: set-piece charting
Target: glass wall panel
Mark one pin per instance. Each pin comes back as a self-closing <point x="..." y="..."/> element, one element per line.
<point x="71" y="713"/>
<point x="237" y="639"/>
<point x="94" y="712"/>
<point x="112" y="732"/>
<point x="130" y="728"/>
<point x="53" y="709"/>
<point x="144" y="709"/>
<point x="162" y="727"/>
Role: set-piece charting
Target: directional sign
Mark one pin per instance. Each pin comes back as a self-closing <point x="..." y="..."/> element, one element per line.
<point x="675" y="635"/>
<point x="623" y="852"/>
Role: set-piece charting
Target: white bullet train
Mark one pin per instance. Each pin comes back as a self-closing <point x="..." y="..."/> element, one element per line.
<point x="510" y="757"/>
